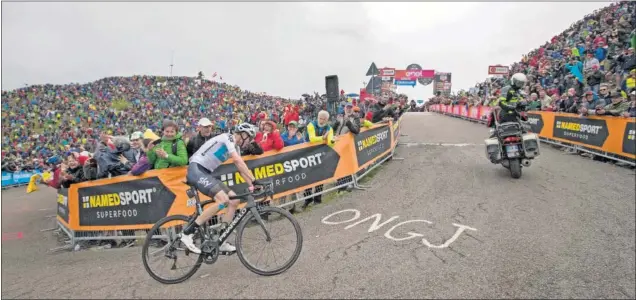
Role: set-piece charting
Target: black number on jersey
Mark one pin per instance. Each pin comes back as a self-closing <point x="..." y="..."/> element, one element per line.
<point x="206" y="150"/>
<point x="230" y="137"/>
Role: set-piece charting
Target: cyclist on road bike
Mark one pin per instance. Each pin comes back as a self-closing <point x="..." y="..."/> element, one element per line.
<point x="212" y="154"/>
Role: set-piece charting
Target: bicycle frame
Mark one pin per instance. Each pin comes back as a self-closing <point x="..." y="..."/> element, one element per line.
<point x="224" y="234"/>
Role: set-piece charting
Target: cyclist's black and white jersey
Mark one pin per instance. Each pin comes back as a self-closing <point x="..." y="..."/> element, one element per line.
<point x="214" y="152"/>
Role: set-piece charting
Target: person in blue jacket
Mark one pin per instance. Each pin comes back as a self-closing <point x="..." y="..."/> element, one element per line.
<point x="292" y="136"/>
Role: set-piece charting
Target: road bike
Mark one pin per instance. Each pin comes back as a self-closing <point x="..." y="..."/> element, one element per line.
<point x="210" y="236"/>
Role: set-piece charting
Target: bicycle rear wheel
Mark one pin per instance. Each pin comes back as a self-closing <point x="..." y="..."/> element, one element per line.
<point x="250" y="227"/>
<point x="162" y="241"/>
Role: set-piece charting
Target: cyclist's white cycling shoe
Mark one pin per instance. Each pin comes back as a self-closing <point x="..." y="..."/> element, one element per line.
<point x="187" y="240"/>
<point x="226" y="247"/>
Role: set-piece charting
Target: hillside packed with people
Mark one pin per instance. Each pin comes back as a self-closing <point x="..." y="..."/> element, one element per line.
<point x="588" y="69"/>
<point x="98" y="130"/>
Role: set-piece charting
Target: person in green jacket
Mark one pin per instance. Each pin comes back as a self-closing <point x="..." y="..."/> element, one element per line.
<point x="163" y="155"/>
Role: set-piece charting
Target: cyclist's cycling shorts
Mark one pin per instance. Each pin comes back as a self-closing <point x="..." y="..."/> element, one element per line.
<point x="204" y="181"/>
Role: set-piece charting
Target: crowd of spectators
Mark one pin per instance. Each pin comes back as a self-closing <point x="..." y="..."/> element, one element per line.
<point x="590" y="68"/>
<point x="96" y="130"/>
<point x="107" y="128"/>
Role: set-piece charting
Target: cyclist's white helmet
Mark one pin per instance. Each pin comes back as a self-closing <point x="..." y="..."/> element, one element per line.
<point x="247" y="128"/>
<point x="519" y="80"/>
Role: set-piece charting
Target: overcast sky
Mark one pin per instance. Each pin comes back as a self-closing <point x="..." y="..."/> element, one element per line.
<point x="283" y="49"/>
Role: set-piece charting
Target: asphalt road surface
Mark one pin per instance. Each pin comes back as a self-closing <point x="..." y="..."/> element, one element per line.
<point x="564" y="230"/>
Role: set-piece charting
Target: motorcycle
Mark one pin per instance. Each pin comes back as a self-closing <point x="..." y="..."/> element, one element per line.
<point x="510" y="146"/>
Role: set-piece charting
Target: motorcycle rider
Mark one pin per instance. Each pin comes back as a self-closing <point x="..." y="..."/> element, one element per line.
<point x="510" y="99"/>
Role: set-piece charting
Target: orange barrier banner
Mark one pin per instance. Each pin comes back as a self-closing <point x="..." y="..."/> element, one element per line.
<point x="137" y="202"/>
<point x="603" y="133"/>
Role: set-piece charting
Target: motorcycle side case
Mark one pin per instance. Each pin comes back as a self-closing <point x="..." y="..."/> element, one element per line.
<point x="493" y="150"/>
<point x="531" y="144"/>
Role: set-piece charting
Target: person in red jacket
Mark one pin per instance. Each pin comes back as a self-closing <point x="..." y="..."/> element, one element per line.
<point x="291" y="114"/>
<point x="269" y="138"/>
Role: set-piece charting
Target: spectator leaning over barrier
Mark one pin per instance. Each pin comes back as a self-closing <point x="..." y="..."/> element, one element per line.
<point x="72" y="172"/>
<point x="171" y="150"/>
<point x="292" y="136"/>
<point x="204" y="134"/>
<point x="347" y="122"/>
<point x="318" y="131"/>
<point x="111" y="161"/>
<point x="344" y="124"/>
<point x="143" y="164"/>
<point x="380" y="111"/>
<point x="357" y="112"/>
<point x="269" y="138"/>
<point x="618" y="106"/>
<point x="587" y="103"/>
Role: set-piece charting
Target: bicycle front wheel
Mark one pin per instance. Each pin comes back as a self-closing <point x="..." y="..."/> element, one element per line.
<point x="163" y="246"/>
<point x="284" y="231"/>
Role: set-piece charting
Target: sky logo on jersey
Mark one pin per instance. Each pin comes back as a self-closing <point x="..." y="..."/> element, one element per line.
<point x="142" y="201"/>
<point x="222" y="154"/>
<point x="288" y="170"/>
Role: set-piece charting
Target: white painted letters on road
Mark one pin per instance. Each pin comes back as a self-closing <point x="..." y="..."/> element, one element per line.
<point x="412" y="235"/>
<point x="375" y="225"/>
<point x="452" y="239"/>
<point x="357" y="215"/>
